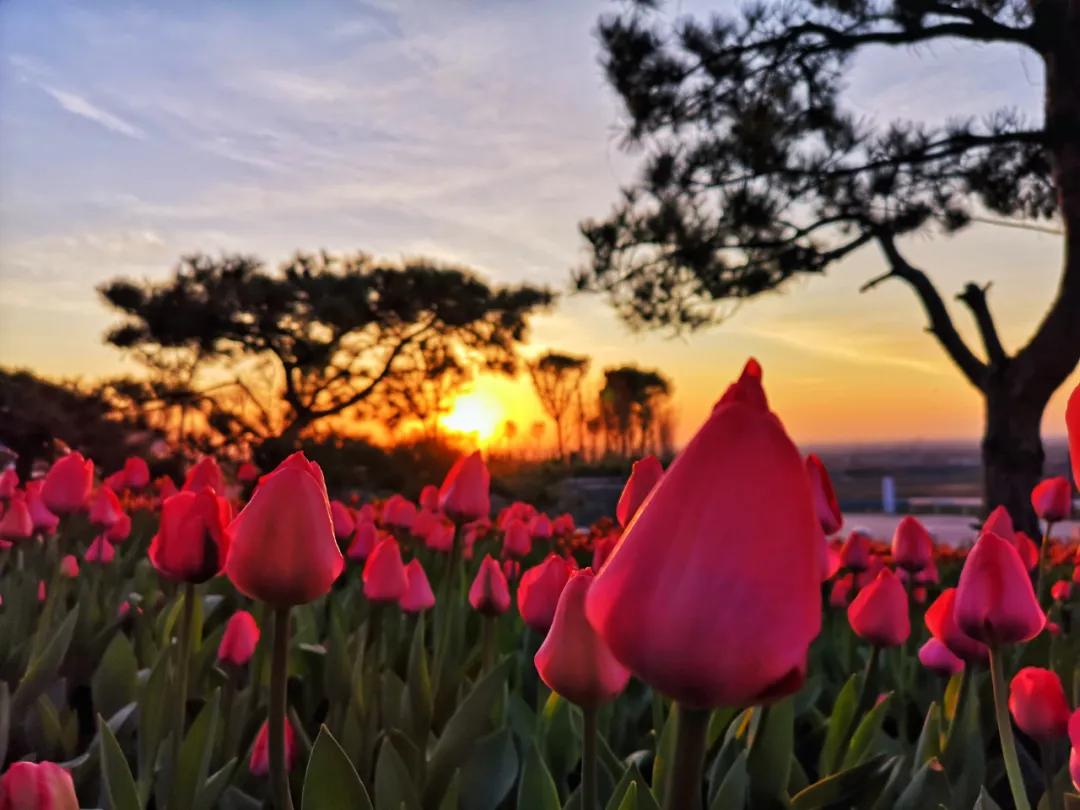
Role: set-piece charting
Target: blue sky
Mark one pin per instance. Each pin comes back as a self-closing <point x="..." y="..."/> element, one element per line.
<point x="475" y="132"/>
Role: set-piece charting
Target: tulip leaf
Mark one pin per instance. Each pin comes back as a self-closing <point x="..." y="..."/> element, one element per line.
<point x="153" y="707"/>
<point x="471" y="721"/>
<point x="195" y="752"/>
<point x="451" y="800"/>
<point x="665" y="752"/>
<point x="629" y="799"/>
<point x="928" y="788"/>
<point x="929" y="744"/>
<point x="732" y="792"/>
<point x="843" y="714"/>
<point x="984" y="802"/>
<point x="418" y="701"/>
<point x="394" y="785"/>
<point x="562" y="743"/>
<point x="43" y="669"/>
<point x="113" y="683"/>
<point x="632" y="778"/>
<point x="843" y="788"/>
<point x="331" y="781"/>
<point x="118" y="783"/>
<point x="490" y="772"/>
<point x="769" y="761"/>
<point x="537" y="789"/>
<point x="863" y="738"/>
<point x="209" y="794"/>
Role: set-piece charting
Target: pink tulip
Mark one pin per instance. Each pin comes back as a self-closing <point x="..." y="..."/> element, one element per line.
<point x="490" y="593"/>
<point x="644" y="476"/>
<point x="995" y="602"/>
<point x="418" y="595"/>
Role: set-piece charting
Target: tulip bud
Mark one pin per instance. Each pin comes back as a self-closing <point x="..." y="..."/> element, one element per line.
<point x="418" y="595"/>
<point x="259" y="764"/>
<point x="1061" y="590"/>
<point x="247" y="472"/>
<point x="283" y="549"/>
<point x="733" y="505"/>
<point x="1038" y="705"/>
<point x="644" y="476"/>
<point x="398" y="512"/>
<point x="37" y="786"/>
<point x="363" y="542"/>
<point x="1072" y="424"/>
<point x="511" y="569"/>
<point x="239" y="640"/>
<point x="119" y="531"/>
<point x="912" y="548"/>
<point x="490" y="593"/>
<point x="136" y="472"/>
<point x="205" y="475"/>
<point x="879" y="613"/>
<point x="384" y="572"/>
<point x="826" y="505"/>
<point x="937" y="657"/>
<point x="344" y="525"/>
<point x="44" y="521"/>
<point x="995" y="602"/>
<point x="429" y="498"/>
<point x="1052" y="499"/>
<point x="855" y="554"/>
<point x="100" y="551"/>
<point x="538" y="592"/>
<point x="9" y="482"/>
<point x="68" y="484"/>
<point x="574" y="660"/>
<point x="69" y="566"/>
<point x="193" y="538"/>
<point x="941" y="622"/>
<point x="464" y="494"/>
<point x="540" y="527"/>
<point x="105" y="508"/>
<point x="563" y="525"/>
<point x="517" y="541"/>
<point x="16" y="524"/>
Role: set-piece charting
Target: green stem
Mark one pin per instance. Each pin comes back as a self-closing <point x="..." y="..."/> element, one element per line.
<point x="684" y="785"/>
<point x="1004" y="724"/>
<point x="1046" y="757"/>
<point x="862" y="706"/>
<point x="183" y="664"/>
<point x="279" y="679"/>
<point x="588" y="760"/>
<point x="967" y="686"/>
<point x="487" y="649"/>
<point x="1041" y="580"/>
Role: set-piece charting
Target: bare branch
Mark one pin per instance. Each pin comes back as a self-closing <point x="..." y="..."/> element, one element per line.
<point x="974" y="297"/>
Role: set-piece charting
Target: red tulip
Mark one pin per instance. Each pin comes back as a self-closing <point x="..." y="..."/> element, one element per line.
<point x="105" y="509"/>
<point x="995" y="602"/>
<point x="574" y="660"/>
<point x="1027" y="548"/>
<point x="193" y="538"/>
<point x="429" y="498"/>
<point x="840" y="593"/>
<point x="69" y="566"/>
<point x="490" y="593"/>
<point x="724" y="555"/>
<point x="136" y="472"/>
<point x="1074" y="767"/>
<point x="205" y="475"/>
<point x="1072" y="424"/>
<point x="602" y="548"/>
<point x="540" y="527"/>
<point x="563" y="525"/>
<point x="1038" y="705"/>
<point x="937" y="657"/>
<point x="912" y="547"/>
<point x="398" y="512"/>
<point x="364" y="540"/>
<point x="247" y="472"/>
<point x="825" y="503"/>
<point x="539" y="589"/>
<point x="37" y="786"/>
<point x="165" y="487"/>
<point x="511" y="569"/>
<point x="440" y="536"/>
<point x="1061" y="590"/>
<point x="941" y="622"/>
<point x="100" y="551"/>
<point x="644" y="476"/>
<point x="239" y="640"/>
<point x="283" y="548"/>
<point x="16" y="524"/>
<point x="119" y="531"/>
<point x="1052" y="499"/>
<point x="879" y="613"/>
<point x="418" y="595"/>
<point x="9" y="482"/>
<point x="384" y="572"/>
<point x="68" y="484"/>
<point x="116" y="481"/>
<point x="342" y="517"/>
<point x="464" y="494"/>
<point x="259" y="764"/>
<point x="44" y="520"/>
<point x="855" y="553"/>
<point x="517" y="541"/>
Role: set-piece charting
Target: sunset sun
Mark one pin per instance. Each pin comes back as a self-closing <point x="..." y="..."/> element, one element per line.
<point x="475" y="414"/>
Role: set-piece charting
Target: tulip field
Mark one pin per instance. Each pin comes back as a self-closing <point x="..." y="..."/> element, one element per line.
<point x="252" y="638"/>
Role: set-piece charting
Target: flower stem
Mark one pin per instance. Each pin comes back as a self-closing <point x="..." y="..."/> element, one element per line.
<point x="487" y="642"/>
<point x="279" y="677"/>
<point x="1046" y="756"/>
<point x="684" y="786"/>
<point x="1041" y="580"/>
<point x="183" y="665"/>
<point x="588" y="760"/>
<point x="1004" y="724"/>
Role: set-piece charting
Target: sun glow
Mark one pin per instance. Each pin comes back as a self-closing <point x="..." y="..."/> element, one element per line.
<point x="475" y="414"/>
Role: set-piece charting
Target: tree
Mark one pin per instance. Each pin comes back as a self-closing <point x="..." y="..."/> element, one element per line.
<point x="338" y="331"/>
<point x="557" y="379"/>
<point x="756" y="175"/>
<point x="631" y="404"/>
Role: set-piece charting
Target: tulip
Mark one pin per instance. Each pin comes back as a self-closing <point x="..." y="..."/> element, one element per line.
<point x="517" y="541"/>
<point x="511" y="569"/>
<point x="16" y="524"/>
<point x="105" y="509"/>
<point x="825" y="502"/>
<point x="384" y="573"/>
<point x="937" y="657"/>
<point x="205" y="475"/>
<point x="538" y="592"/>
<point x="1072" y="424"/>
<point x="239" y="640"/>
<point x="995" y="602"/>
<point x="37" y="786"/>
<point x="68" y="484"/>
<point x="119" y="531"/>
<point x="69" y="566"/>
<point x="418" y="595"/>
<point x="9" y="482"/>
<point x="165" y="487"/>
<point x="117" y="482"/>
<point x="644" y="476"/>
<point x="100" y="551"/>
<point x="941" y="622"/>
<point x="464" y="494"/>
<point x="283" y="548"/>
<point x="540" y="527"/>
<point x="1038" y="705"/>
<point x="259" y="764"/>
<point x="44" y="520"/>
<point x="879" y="613"/>
<point x="1027" y="548"/>
<point x="440" y="536"/>
<point x="855" y="554"/>
<point x="247" y="473"/>
<point x="602" y="548"/>
<point x="489" y="593"/>
<point x="193" y="537"/>
<point x="912" y="548"/>
<point x="364" y="540"/>
<point x="840" y="593"/>
<point x="342" y="518"/>
<point x="1052" y="499"/>
<point x="563" y="525"/>
<point x="136" y="472"/>
<point x="1061" y="590"/>
<point x="429" y="498"/>
<point x="398" y="512"/>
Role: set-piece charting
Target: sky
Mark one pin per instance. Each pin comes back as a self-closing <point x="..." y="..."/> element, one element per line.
<point x="479" y="132"/>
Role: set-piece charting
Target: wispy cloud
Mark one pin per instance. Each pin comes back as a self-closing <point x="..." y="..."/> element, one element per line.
<point x="84" y="108"/>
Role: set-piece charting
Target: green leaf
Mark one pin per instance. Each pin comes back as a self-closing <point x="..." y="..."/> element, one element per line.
<point x="984" y="802"/>
<point x="490" y="771"/>
<point x="418" y="701"/>
<point x="113" y="683"/>
<point x="928" y="788"/>
<point x="863" y="738"/>
<point x="331" y="781"/>
<point x="769" y="762"/>
<point x="153" y="705"/>
<point x="471" y="721"/>
<point x="929" y="745"/>
<point x="842" y="789"/>
<point x="394" y="785"/>
<point x="561" y="741"/>
<point x="195" y="754"/>
<point x="629" y="799"/>
<point x="732" y="793"/>
<point x="843" y="714"/>
<point x="44" y="668"/>
<point x="632" y="778"/>
<point x="210" y="792"/>
<point x="665" y="753"/>
<point x="119" y="786"/>
<point x="537" y="790"/>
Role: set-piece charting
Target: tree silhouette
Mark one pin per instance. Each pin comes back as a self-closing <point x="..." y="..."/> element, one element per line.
<point x="756" y="174"/>
<point x="338" y="331"/>
<point x="633" y="402"/>
<point x="557" y="379"/>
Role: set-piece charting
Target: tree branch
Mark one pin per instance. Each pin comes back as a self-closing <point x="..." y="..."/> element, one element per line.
<point x="974" y="297"/>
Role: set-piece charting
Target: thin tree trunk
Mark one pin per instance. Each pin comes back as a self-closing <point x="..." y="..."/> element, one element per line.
<point x="1012" y="454"/>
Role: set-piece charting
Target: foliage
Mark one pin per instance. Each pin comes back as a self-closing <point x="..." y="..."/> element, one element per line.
<point x="558" y="379"/>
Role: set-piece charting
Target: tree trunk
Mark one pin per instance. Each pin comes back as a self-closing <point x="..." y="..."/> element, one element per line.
<point x="1012" y="453"/>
